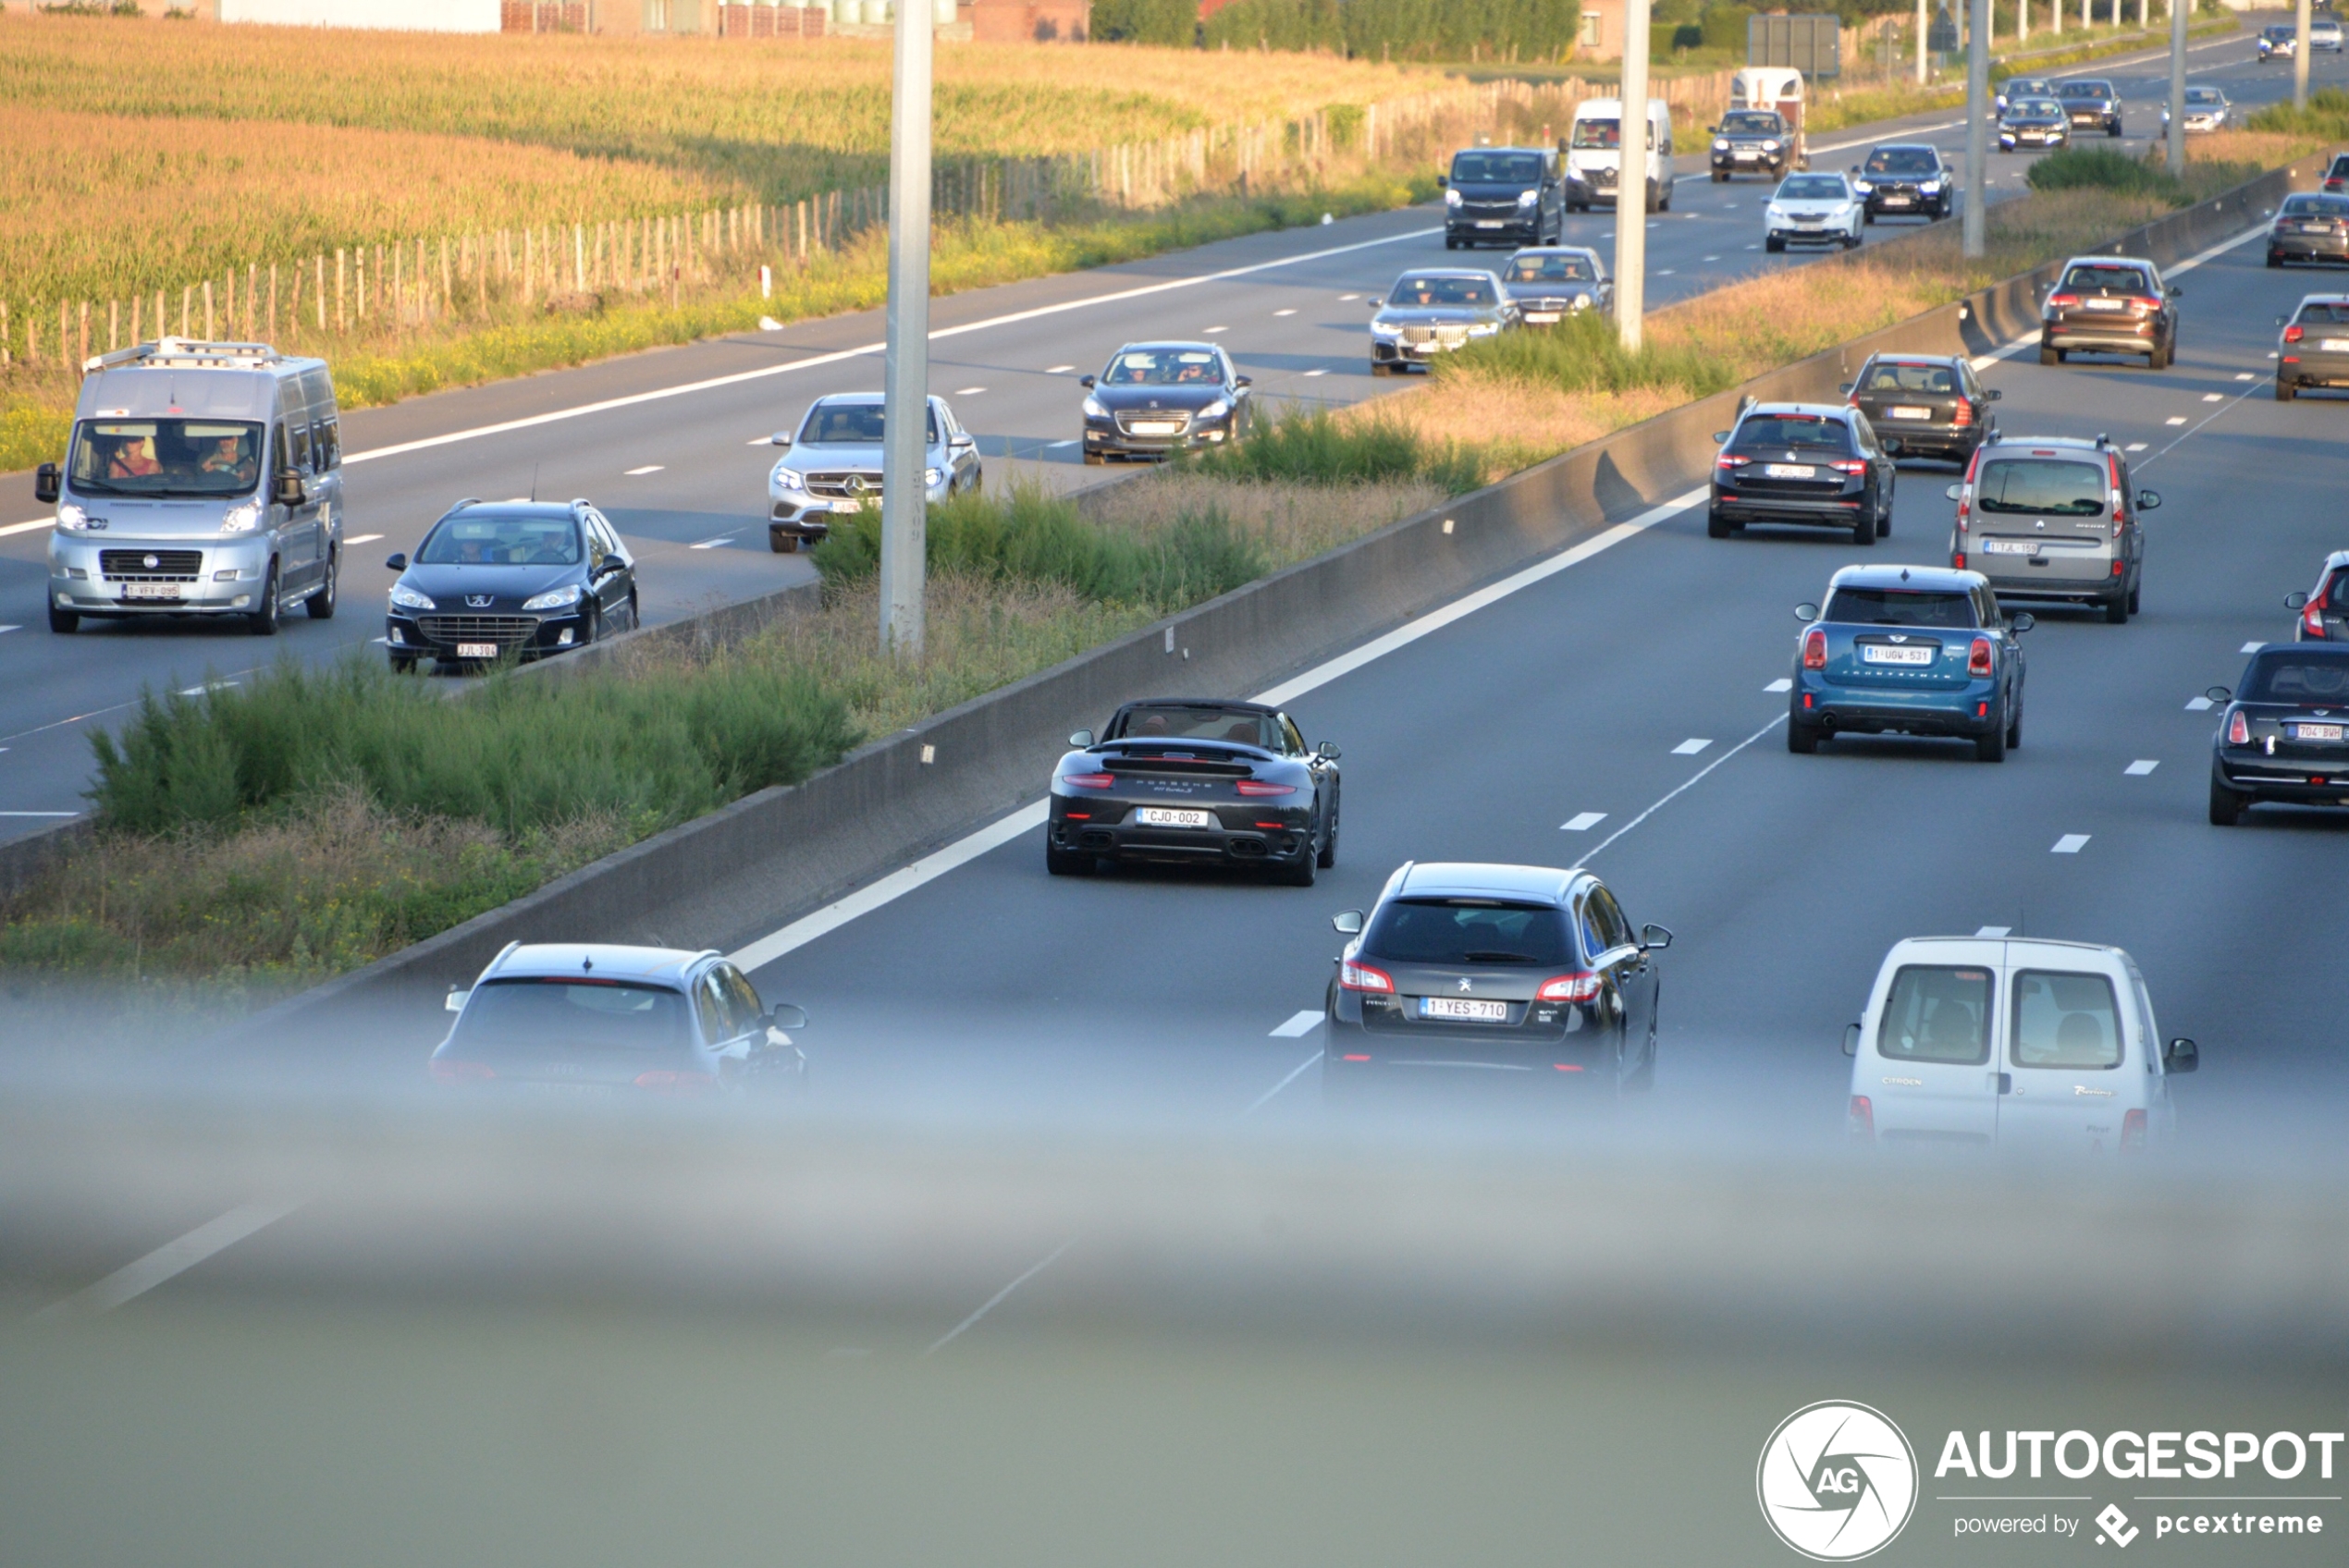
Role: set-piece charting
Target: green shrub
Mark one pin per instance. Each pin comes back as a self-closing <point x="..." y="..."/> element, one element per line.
<point x="1583" y="354"/>
<point x="2327" y="116"/>
<point x="1169" y="23"/>
<point x="2075" y="167"/>
<point x="1318" y="446"/>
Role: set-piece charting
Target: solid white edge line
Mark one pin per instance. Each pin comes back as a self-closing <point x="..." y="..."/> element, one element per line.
<point x="862" y="350"/>
<point x="171" y="1260"/>
<point x="998" y="1298"/>
<point x="1266" y="1097"/>
<point x="27" y="527"/>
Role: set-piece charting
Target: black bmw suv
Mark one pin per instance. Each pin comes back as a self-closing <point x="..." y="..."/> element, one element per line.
<point x="1504" y="196"/>
<point x="509" y="579"/>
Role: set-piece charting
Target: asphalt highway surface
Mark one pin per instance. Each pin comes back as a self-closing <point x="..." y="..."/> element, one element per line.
<point x="670" y="444"/>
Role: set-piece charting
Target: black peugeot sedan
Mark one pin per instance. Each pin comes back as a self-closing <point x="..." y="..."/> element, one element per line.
<point x="1752" y="142"/>
<point x="2283" y="733"/>
<point x="1195" y="781"/>
<point x="1906" y="180"/>
<point x="1155" y="398"/>
<point x="509" y="579"/>
<point x="1924" y="405"/>
<point x="1504" y="196"/>
<point x="1512" y="968"/>
<point x="1818" y="464"/>
<point x="1433" y="311"/>
<point x="2091" y="104"/>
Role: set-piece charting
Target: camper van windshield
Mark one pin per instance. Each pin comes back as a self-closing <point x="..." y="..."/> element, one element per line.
<point x="167" y="457"/>
<point x="1598" y="133"/>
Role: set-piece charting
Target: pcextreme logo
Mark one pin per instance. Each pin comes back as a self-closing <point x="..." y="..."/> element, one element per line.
<point x="1837" y="1481"/>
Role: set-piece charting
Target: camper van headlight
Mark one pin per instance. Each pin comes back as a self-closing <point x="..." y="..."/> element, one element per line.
<point x="72" y="519"/>
<point x="241" y="520"/>
<point x="1769" y="146"/>
<point x="1451" y="196"/>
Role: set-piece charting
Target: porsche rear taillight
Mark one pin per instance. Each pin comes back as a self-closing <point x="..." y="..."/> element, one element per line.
<point x="1814" y="651"/>
<point x="1362" y="977"/>
<point x="1579" y="987"/>
<point x="1255" y="788"/>
<point x="2238" y="729"/>
<point x="1977" y="661"/>
<point x="1089" y="780"/>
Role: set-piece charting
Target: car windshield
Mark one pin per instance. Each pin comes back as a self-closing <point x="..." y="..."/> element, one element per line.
<point x="1818" y="432"/>
<point x="2311" y="205"/>
<point x="1933" y="609"/>
<point x="1908" y="378"/>
<point x="502" y="539"/>
<point x="165" y="457"/>
<point x="1936" y="1013"/>
<point x="1552" y="269"/>
<point x="574" y="1015"/>
<point x="2299" y="675"/>
<point x="2286" y="30"/>
<point x="2064" y="1021"/>
<point x="1901" y="160"/>
<point x="2037" y="109"/>
<point x="1751" y="122"/>
<point x="2036" y="86"/>
<point x="2203" y="97"/>
<point x="1470" y="931"/>
<point x="1419" y="291"/>
<point x="2107" y="280"/>
<point x="1179" y="723"/>
<point x="1496" y="168"/>
<point x="2083" y="90"/>
<point x="2335" y="314"/>
<point x="850" y="424"/>
<point x="2043" y="486"/>
<point x="1164" y="367"/>
<point x="1811" y="187"/>
<point x="1598" y="134"/>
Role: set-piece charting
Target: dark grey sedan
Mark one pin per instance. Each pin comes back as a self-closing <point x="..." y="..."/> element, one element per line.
<point x="1433" y="311"/>
<point x="1924" y="405"/>
<point x="2091" y="104"/>
<point x="1552" y="283"/>
<point x="1155" y="398"/>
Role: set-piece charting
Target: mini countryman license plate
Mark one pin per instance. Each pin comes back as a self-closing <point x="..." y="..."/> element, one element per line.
<point x="1882" y="652"/>
<point x="1167" y="816"/>
<point x="1465" y="1009"/>
<point x="2316" y="733"/>
<point x="476" y="650"/>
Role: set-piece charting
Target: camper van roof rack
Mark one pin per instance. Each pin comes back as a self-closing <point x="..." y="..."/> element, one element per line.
<point x="186" y="353"/>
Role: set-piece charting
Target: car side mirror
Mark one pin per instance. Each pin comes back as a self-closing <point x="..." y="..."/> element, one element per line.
<point x="1721" y="437"/>
<point x="1846" y="387"/>
<point x="288" y="490"/>
<point x="1347" y="923"/>
<point x="396" y="563"/>
<point x="1081" y="738"/>
<point x="2182" y="1055"/>
<point x="1243" y="381"/>
<point x="45" y="482"/>
<point x="1994" y="393"/>
<point x="1954" y="491"/>
<point x="456" y="999"/>
<point x="1328" y="750"/>
<point x="780" y="438"/>
<point x="1085" y="380"/>
<point x="2023" y="621"/>
<point x="1807" y="613"/>
<point x="1376" y="302"/>
<point x="1851" y="1039"/>
<point x="1442" y="180"/>
<point x="2296" y="601"/>
<point x="2175" y="292"/>
<point x="785" y="1015"/>
<point x="2148" y="499"/>
<point x="2218" y="694"/>
<point x="1654" y="939"/>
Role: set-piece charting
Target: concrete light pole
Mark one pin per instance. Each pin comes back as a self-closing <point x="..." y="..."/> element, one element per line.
<point x="2300" y="57"/>
<point x="2178" y="86"/>
<point x="1632" y="179"/>
<point x="906" y="373"/>
<point x="1977" y="131"/>
<point x="1920" y="27"/>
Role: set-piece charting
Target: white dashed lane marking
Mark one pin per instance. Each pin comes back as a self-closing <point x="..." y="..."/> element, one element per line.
<point x="4" y="631"/>
<point x="760" y="441"/>
<point x="1582" y="822"/>
<point x="2217" y="397"/>
<point x="362" y="539"/>
<point x="1213" y="330"/>
<point x="1783" y="683"/>
<point x="2140" y="767"/>
<point x="1298" y="1023"/>
<point x="1317" y="373"/>
<point x="2197" y="704"/>
<point x="1994" y="930"/>
<point x="2251" y="647"/>
<point x="1345" y="297"/>
<point x="2243" y="375"/>
<point x="1689" y="748"/>
<point x="2175" y="419"/>
<point x="1058" y="370"/>
<point x="640" y="472"/>
<point x="2136" y="446"/>
<point x="1284" y="313"/>
<point x="2070" y="844"/>
<point x="968" y="391"/>
<point x="713" y="544"/>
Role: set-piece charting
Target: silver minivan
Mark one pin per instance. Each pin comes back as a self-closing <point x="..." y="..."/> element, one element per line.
<point x="203" y="479"/>
<point x="2051" y="517"/>
<point x="2012" y="1040"/>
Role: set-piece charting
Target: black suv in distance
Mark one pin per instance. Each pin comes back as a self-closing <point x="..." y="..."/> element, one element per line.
<point x="1504" y="196"/>
<point x="2284" y="734"/>
<point x="2091" y="103"/>
<point x="1818" y="464"/>
<point x="509" y="579"/>
<point x="1905" y="180"/>
<point x="1924" y="405"/>
<point x="1752" y="142"/>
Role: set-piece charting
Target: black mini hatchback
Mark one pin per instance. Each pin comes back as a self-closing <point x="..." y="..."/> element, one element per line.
<point x="512" y="580"/>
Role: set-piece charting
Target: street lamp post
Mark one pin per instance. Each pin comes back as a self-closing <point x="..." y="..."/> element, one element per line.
<point x="2178" y="86"/>
<point x="1977" y="131"/>
<point x="1632" y="179"/>
<point x="906" y="373"/>
<point x="2300" y="56"/>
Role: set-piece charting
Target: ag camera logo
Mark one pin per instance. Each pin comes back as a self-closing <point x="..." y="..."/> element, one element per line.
<point x="1837" y="1481"/>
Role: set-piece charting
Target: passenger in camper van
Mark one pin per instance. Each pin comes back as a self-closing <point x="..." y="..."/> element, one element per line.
<point x="134" y="458"/>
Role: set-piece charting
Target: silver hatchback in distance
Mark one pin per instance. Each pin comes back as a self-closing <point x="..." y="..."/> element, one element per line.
<point x="2053" y="518"/>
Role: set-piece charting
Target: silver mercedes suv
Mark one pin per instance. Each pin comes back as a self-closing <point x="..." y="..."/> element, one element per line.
<point x="834" y="466"/>
<point x="2053" y="518"/>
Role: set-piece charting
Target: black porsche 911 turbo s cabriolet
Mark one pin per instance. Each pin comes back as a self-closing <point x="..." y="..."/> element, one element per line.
<point x="1198" y="780"/>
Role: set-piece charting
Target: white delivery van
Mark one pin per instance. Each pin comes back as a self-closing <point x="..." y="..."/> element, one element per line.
<point x="1594" y="154"/>
<point x="2012" y="1041"/>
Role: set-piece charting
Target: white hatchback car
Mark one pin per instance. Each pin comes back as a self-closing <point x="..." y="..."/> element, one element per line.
<point x="1812" y="209"/>
<point x="2013" y="1041"/>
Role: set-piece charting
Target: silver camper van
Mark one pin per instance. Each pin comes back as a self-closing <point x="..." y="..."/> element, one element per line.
<point x="203" y="479"/>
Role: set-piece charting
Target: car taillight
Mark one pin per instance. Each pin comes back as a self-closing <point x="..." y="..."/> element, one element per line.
<point x="461" y="1071"/>
<point x="1579" y="987"/>
<point x="1861" y="1120"/>
<point x="1089" y="780"/>
<point x="2312" y="619"/>
<point x="1253" y="788"/>
<point x="2293" y="334"/>
<point x="1964" y="415"/>
<point x="2133" y="1132"/>
<point x="1814" y="651"/>
<point x="2060" y="300"/>
<point x="666" y="1081"/>
<point x="1362" y="977"/>
<point x="1958" y="560"/>
<point x="1850" y="465"/>
<point x="1728" y="464"/>
<point x="1977" y="662"/>
<point x="2238" y="729"/>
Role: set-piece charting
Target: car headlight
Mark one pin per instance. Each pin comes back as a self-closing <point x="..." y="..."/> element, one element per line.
<point x="1862" y="186"/>
<point x="1093" y="409"/>
<point x="1721" y="145"/>
<point x="72" y="519"/>
<point x="407" y="598"/>
<point x="1527" y="198"/>
<point x="553" y="598"/>
<point x="1215" y="409"/>
<point x="1383" y="329"/>
<point x="788" y="478"/>
<point x="1580" y="302"/>
<point x="241" y="520"/>
<point x="1483" y="328"/>
<point x="1451" y="197"/>
<point x="1769" y="146"/>
<point x="933" y="477"/>
<point x="1931" y="188"/>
